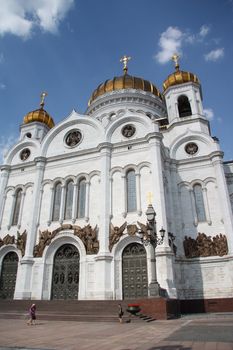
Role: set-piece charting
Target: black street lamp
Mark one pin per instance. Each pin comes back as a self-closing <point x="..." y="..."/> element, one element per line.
<point x="150" y="237"/>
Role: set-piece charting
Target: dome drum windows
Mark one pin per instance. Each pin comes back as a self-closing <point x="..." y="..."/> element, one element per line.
<point x="184" y="106"/>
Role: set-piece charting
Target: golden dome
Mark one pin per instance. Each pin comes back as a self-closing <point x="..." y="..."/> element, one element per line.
<point x="124" y="82"/>
<point x="39" y="115"/>
<point x="179" y="76"/>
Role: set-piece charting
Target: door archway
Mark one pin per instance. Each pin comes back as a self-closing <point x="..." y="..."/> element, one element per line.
<point x="134" y="272"/>
<point x="65" y="280"/>
<point x="8" y="275"/>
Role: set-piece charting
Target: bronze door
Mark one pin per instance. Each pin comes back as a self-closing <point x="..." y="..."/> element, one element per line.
<point x="65" y="282"/>
<point x="134" y="272"/>
<point x="8" y="276"/>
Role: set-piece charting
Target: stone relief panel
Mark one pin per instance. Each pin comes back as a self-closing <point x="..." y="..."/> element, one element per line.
<point x="87" y="234"/>
<point x="20" y="241"/>
<point x="205" y="245"/>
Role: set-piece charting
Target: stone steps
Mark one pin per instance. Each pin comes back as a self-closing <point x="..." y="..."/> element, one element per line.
<point x="70" y="310"/>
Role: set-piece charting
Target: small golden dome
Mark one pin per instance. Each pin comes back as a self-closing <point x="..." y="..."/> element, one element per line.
<point x="39" y="115"/>
<point x="124" y="82"/>
<point x="179" y="76"/>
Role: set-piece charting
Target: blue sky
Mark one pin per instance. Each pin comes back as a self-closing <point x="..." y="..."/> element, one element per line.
<point x="68" y="47"/>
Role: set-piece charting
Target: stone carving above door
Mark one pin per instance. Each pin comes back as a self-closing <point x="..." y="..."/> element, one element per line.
<point x="204" y="246"/>
<point x="20" y="241"/>
<point x="87" y="234"/>
<point x="117" y="232"/>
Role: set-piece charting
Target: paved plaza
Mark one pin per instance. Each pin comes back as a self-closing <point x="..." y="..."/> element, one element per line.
<point x="209" y="332"/>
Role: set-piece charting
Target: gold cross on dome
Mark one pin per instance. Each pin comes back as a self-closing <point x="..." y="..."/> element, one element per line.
<point x="42" y="97"/>
<point x="149" y="197"/>
<point x="175" y="58"/>
<point x="125" y="59"/>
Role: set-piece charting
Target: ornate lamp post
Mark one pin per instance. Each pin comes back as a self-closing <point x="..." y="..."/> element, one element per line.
<point x="150" y="237"/>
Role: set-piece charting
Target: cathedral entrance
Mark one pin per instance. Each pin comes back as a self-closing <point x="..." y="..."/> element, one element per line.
<point x="65" y="281"/>
<point x="134" y="272"/>
<point x="8" y="275"/>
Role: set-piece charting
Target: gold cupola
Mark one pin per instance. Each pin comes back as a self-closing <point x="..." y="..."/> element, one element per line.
<point x="124" y="82"/>
<point x="179" y="76"/>
<point x="39" y="115"/>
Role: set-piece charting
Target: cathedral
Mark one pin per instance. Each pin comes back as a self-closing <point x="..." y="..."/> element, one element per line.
<point x="75" y="198"/>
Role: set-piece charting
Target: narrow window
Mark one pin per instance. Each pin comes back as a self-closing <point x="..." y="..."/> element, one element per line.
<point x="199" y="202"/>
<point x="131" y="191"/>
<point x="57" y="202"/>
<point x="69" y="200"/>
<point x="184" y="106"/>
<point x="18" y="199"/>
<point x="81" y="198"/>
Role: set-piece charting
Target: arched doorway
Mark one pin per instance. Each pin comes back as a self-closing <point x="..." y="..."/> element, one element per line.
<point x="134" y="272"/>
<point x="8" y="275"/>
<point x="65" y="281"/>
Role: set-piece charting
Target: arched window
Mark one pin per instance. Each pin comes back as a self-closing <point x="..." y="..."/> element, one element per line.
<point x="199" y="202"/>
<point x="69" y="200"/>
<point x="81" y="198"/>
<point x="18" y="200"/>
<point x="57" y="202"/>
<point x="184" y="106"/>
<point x="131" y="190"/>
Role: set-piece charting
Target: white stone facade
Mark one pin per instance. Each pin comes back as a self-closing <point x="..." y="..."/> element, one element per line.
<point x="103" y="158"/>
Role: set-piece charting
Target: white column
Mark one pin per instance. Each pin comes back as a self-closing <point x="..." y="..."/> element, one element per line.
<point x="158" y="186"/>
<point x="5" y="172"/>
<point x="103" y="285"/>
<point x="206" y="206"/>
<point x="62" y="207"/>
<point x="51" y="205"/>
<point x="224" y="198"/>
<point x="105" y="198"/>
<point x="164" y="255"/>
<point x="87" y="200"/>
<point x="124" y="199"/>
<point x="74" y="205"/>
<point x="177" y="216"/>
<point x="111" y="199"/>
<point x="36" y="199"/>
<point x="138" y="193"/>
<point x="23" y="285"/>
<point x="193" y="205"/>
<point x="21" y="209"/>
<point x="12" y="210"/>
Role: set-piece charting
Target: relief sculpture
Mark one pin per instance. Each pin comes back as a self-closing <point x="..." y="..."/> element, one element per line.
<point x="115" y="234"/>
<point x="205" y="245"/>
<point x="7" y="240"/>
<point x="21" y="241"/>
<point x="87" y="234"/>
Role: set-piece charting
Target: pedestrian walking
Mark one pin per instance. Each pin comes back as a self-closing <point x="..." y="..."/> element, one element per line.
<point x="32" y="315"/>
<point x="120" y="313"/>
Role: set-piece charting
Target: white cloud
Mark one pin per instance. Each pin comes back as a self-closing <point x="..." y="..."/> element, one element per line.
<point x="173" y="38"/>
<point x="21" y="17"/>
<point x="214" y="55"/>
<point x="6" y="142"/>
<point x="204" y="30"/>
<point x="209" y="113"/>
<point x="170" y="42"/>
